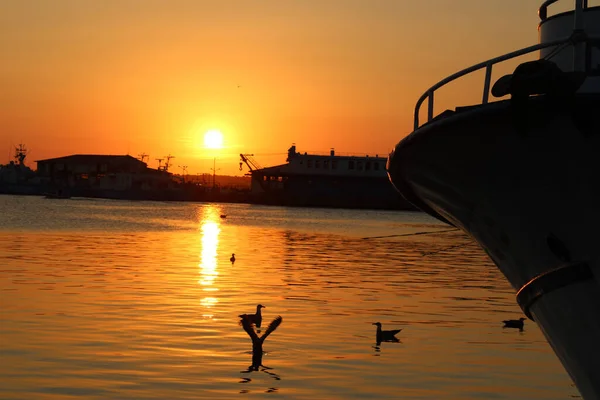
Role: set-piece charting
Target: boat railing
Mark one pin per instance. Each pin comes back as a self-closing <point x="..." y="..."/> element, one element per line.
<point x="428" y="95"/>
<point x="580" y="5"/>
<point x="543" y="10"/>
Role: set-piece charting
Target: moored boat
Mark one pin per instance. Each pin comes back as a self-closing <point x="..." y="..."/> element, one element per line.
<point x="521" y="175"/>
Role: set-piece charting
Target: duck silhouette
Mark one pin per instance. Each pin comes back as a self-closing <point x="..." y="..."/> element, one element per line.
<point x="514" y="323"/>
<point x="223" y="216"/>
<point x="232" y="258"/>
<point x="257" y="342"/>
<point x="255" y="319"/>
<point x="385" y="336"/>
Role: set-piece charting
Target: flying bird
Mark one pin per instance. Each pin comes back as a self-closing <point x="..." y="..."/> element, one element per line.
<point x="255" y="319"/>
<point x="386" y="336"/>
<point x="514" y="323"/>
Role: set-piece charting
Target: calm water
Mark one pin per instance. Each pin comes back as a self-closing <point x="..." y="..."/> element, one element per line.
<point x="123" y="300"/>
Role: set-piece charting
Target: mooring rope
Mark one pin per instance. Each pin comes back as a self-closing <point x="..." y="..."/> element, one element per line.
<point x="409" y="234"/>
<point x="454" y="246"/>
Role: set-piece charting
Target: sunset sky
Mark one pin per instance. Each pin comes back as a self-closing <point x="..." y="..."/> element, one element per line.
<point x="125" y="76"/>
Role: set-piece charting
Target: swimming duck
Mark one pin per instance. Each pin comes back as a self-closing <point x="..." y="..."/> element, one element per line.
<point x="255" y="319"/>
<point x="384" y="336"/>
<point x="257" y="342"/>
<point x="514" y="323"/>
<point x="223" y="216"/>
<point x="232" y="258"/>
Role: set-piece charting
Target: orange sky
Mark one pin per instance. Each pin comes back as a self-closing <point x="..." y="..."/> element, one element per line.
<point x="125" y="76"/>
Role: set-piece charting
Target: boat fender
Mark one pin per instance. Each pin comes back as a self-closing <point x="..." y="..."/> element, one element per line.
<point x="536" y="78"/>
<point x="550" y="281"/>
<point x="540" y="77"/>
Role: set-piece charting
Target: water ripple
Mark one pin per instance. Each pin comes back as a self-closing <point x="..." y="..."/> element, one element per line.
<point x="108" y="299"/>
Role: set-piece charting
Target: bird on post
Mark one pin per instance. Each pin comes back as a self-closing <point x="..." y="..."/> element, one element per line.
<point x="255" y="319"/>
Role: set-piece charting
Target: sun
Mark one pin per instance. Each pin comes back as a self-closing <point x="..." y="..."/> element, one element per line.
<point x="213" y="139"/>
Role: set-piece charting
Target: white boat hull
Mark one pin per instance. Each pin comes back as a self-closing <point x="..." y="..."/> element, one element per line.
<point x="526" y="185"/>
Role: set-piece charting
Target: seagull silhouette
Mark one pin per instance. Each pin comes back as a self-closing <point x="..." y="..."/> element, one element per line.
<point x="386" y="336"/>
<point x="514" y="323"/>
<point x="255" y="319"/>
<point x="257" y="342"/>
<point x="232" y="258"/>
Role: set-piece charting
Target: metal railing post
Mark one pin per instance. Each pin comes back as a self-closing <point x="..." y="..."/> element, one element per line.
<point x="430" y="106"/>
<point x="578" y="26"/>
<point x="486" y="84"/>
<point x="416" y="120"/>
<point x="543" y="11"/>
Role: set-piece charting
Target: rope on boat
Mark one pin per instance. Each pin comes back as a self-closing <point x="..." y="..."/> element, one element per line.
<point x="409" y="234"/>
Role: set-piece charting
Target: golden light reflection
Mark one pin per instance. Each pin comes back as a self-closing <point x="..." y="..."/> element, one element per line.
<point x="208" y="302"/>
<point x="208" y="260"/>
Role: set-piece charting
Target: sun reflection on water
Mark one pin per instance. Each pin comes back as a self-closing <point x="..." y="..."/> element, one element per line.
<point x="129" y="312"/>
<point x="208" y="260"/>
